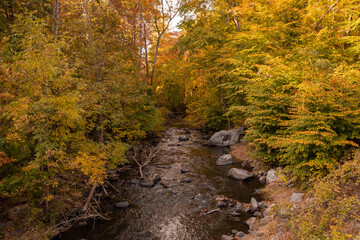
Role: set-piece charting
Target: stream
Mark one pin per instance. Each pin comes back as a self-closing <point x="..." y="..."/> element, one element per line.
<point x="174" y="209"/>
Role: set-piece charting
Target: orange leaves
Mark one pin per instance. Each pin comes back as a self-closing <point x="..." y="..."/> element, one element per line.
<point x="4" y="159"/>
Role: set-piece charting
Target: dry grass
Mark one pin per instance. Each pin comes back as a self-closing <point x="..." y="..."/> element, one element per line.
<point x="278" y="194"/>
<point x="242" y="152"/>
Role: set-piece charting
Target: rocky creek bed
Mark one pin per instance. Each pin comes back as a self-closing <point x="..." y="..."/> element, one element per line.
<point x="185" y="195"/>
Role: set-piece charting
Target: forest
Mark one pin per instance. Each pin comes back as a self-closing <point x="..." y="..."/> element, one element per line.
<point x="82" y="82"/>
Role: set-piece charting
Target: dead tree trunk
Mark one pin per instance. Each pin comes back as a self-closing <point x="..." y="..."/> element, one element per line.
<point x="143" y="157"/>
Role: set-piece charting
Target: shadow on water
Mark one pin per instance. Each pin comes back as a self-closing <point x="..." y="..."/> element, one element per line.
<point x="174" y="209"/>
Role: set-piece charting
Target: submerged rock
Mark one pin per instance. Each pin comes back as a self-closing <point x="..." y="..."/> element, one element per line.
<point x="183" y="138"/>
<point x="188" y="180"/>
<point x="240" y="234"/>
<point x="234" y="214"/>
<point x="122" y="204"/>
<point x="225" y="160"/>
<point x="226" y="137"/>
<point x="240" y="174"/>
<point x="185" y="170"/>
<point x="163" y="166"/>
<point x="147" y="183"/>
<point x="226" y="237"/>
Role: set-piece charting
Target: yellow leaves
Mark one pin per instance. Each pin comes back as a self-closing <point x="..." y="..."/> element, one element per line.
<point x="31" y="166"/>
<point x="13" y="137"/>
<point x="92" y="166"/>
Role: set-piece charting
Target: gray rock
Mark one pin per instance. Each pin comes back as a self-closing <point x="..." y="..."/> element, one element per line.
<point x="147" y="183"/>
<point x="240" y="174"/>
<point x="264" y="220"/>
<point x="183" y="138"/>
<point x="234" y="214"/>
<point x="251" y="222"/>
<point x="234" y="231"/>
<point x="226" y="137"/>
<point x="122" y="204"/>
<point x="262" y="205"/>
<point x="254" y="205"/>
<point x="225" y="160"/>
<point x="296" y="197"/>
<point x="188" y="180"/>
<point x="258" y="214"/>
<point x="268" y="210"/>
<point x="220" y="204"/>
<point x="262" y="179"/>
<point x="163" y="166"/>
<point x="157" y="178"/>
<point x="226" y="237"/>
<point x="272" y="176"/>
<point x="185" y="170"/>
<point x="241" y="207"/>
<point x="240" y="234"/>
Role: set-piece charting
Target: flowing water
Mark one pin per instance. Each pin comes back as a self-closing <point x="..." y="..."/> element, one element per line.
<point x="174" y="208"/>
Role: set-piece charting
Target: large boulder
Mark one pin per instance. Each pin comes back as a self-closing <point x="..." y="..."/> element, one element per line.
<point x="226" y="137"/>
<point x="225" y="160"/>
<point x="240" y="174"/>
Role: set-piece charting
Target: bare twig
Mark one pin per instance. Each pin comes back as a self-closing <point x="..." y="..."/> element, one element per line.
<point x="212" y="211"/>
<point x="327" y="11"/>
<point x="145" y="158"/>
<point x="112" y="186"/>
<point x="73" y="220"/>
<point x="103" y="188"/>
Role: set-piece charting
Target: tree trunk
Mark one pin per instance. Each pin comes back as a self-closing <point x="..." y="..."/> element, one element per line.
<point x="91" y="194"/>
<point x="141" y="39"/>
<point x="57" y="19"/>
<point x="155" y="57"/>
<point x="146" y="54"/>
<point x="101" y="138"/>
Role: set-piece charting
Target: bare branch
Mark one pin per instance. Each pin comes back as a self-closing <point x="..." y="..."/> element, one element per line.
<point x="145" y="158"/>
<point x="327" y="11"/>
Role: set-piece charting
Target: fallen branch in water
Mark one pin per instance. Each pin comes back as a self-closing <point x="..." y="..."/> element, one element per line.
<point x="142" y="157"/>
<point x="72" y="221"/>
<point x="212" y="211"/>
